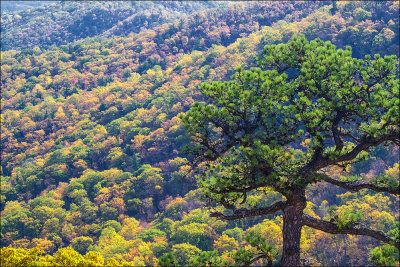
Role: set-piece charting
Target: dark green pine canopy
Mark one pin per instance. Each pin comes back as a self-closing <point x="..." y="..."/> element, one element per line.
<point x="247" y="136"/>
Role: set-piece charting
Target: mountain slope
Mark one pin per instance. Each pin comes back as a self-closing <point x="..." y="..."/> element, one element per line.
<point x="91" y="137"/>
<point x="67" y="21"/>
<point x="11" y="6"/>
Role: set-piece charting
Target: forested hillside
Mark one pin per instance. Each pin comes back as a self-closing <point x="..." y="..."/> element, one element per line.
<point x="10" y="6"/>
<point x="63" y="22"/>
<point x="92" y="166"/>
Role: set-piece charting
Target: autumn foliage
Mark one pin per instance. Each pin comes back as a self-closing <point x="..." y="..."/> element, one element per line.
<point x="92" y="171"/>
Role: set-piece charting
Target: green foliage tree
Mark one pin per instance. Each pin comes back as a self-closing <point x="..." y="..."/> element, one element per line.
<point x="114" y="224"/>
<point x="383" y="255"/>
<point x="159" y="248"/>
<point x="168" y="259"/>
<point x="166" y="225"/>
<point x="149" y="234"/>
<point x="209" y="258"/>
<point x="246" y="137"/>
<point x="195" y="234"/>
<point x="183" y="252"/>
<point x="81" y="244"/>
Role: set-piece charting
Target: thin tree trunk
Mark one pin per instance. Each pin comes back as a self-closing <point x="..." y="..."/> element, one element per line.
<point x="291" y="232"/>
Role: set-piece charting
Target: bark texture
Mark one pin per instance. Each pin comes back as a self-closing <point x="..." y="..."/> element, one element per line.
<point x="292" y="224"/>
<point x="243" y="213"/>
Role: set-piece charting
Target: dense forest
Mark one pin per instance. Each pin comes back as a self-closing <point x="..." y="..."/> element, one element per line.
<point x="10" y="6"/>
<point x="92" y="167"/>
<point x="64" y="22"/>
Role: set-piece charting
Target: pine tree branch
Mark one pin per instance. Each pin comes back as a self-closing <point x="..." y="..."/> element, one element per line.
<point x="366" y="143"/>
<point x="242" y="213"/>
<point x="358" y="185"/>
<point x="319" y="162"/>
<point x="332" y="228"/>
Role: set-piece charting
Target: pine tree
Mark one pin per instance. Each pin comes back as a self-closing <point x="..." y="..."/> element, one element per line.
<point x="247" y="136"/>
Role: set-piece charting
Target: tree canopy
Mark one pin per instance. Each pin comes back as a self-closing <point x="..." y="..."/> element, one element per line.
<point x="308" y="107"/>
<point x="91" y="135"/>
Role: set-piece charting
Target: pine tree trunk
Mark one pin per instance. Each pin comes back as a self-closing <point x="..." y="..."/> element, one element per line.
<point x="291" y="232"/>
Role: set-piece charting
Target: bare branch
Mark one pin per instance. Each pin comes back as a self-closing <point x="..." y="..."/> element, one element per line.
<point x="242" y="213"/>
<point x="351" y="136"/>
<point x="239" y="189"/>
<point x="358" y="185"/>
<point x="332" y="228"/>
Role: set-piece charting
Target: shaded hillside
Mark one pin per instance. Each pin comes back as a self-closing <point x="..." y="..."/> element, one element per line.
<point x="11" y="6"/>
<point x="65" y="21"/>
